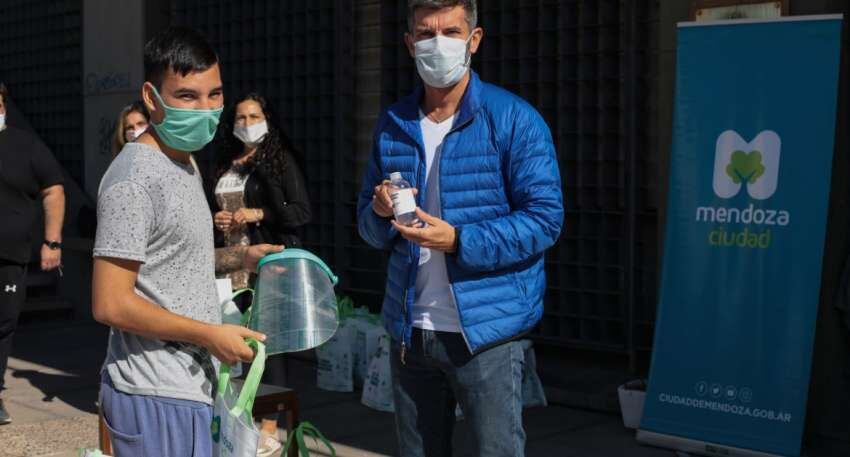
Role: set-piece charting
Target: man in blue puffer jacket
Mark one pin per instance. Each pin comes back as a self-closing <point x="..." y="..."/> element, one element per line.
<point x="466" y="284"/>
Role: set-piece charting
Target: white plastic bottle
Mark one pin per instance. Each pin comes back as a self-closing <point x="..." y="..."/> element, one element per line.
<point x="404" y="205"/>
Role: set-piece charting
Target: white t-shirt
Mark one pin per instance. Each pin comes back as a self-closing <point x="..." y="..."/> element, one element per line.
<point x="231" y="183"/>
<point x="434" y="306"/>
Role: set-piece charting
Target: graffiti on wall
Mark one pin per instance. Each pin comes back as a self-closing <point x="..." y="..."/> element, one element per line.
<point x="105" y="131"/>
<point x="98" y="83"/>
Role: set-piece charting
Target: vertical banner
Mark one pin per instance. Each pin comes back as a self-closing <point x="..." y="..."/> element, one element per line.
<point x="750" y="171"/>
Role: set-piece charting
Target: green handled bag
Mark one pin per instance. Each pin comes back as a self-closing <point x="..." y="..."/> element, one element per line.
<point x="233" y="430"/>
<point x="297" y="436"/>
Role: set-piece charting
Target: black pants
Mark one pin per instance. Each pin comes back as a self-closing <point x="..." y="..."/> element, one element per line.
<point x="12" y="296"/>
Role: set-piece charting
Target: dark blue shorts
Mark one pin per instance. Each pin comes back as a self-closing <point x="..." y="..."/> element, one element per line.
<point x="148" y="426"/>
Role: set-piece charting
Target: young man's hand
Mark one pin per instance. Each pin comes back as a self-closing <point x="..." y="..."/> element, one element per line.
<point x="227" y="343"/>
<point x="256" y="252"/>
<point x="435" y="234"/>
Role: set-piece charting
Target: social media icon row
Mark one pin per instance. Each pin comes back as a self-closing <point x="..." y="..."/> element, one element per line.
<point x="729" y="393"/>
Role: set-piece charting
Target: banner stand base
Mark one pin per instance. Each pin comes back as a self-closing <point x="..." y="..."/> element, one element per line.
<point x="695" y="447"/>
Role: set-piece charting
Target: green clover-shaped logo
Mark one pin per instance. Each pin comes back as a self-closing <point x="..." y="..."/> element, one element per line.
<point x="745" y="167"/>
<point x="216" y="429"/>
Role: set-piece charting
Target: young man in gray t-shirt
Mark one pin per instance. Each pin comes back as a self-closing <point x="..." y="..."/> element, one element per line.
<point x="154" y="264"/>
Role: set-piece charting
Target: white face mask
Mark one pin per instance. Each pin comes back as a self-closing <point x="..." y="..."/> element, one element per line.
<point x="252" y="134"/>
<point x="2" y="121"/>
<point x="133" y="135"/>
<point x="442" y="61"/>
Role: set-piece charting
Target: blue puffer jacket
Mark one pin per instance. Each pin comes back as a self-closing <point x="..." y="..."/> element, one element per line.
<point x="499" y="184"/>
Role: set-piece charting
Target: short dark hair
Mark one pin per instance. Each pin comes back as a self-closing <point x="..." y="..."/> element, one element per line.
<point x="4" y="92"/>
<point x="468" y="5"/>
<point x="180" y="49"/>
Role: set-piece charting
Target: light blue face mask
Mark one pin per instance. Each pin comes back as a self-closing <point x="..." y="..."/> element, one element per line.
<point x="442" y="61"/>
<point x="186" y="130"/>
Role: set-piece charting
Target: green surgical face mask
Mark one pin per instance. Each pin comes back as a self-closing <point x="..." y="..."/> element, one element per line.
<point x="186" y="130"/>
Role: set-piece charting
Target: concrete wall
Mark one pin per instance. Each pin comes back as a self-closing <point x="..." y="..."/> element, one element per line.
<point x="113" y="37"/>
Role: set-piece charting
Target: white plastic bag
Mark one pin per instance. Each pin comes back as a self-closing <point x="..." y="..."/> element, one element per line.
<point x="378" y="388"/>
<point x="334" y="369"/>
<point x="91" y="453"/>
<point x="229" y="313"/>
<point x="233" y="431"/>
<point x="358" y="350"/>
<point x="367" y="337"/>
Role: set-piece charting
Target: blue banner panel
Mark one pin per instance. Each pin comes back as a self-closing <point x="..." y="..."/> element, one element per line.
<point x="753" y="135"/>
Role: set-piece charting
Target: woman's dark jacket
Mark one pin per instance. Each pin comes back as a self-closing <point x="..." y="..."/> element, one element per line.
<point x="283" y="199"/>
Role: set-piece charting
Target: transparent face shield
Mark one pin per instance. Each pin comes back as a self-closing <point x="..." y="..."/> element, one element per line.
<point x="294" y="302"/>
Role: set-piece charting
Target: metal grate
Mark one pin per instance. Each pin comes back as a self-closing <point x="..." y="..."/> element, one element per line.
<point x="41" y="61"/>
<point x="588" y="67"/>
<point x="299" y="55"/>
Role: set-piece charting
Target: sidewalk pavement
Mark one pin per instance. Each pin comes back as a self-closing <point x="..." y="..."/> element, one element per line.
<point x="52" y="388"/>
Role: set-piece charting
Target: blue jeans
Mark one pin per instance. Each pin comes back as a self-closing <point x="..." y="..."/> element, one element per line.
<point x="438" y="373"/>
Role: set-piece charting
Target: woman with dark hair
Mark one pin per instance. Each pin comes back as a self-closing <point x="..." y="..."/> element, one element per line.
<point x="132" y="122"/>
<point x="259" y="189"/>
<point x="259" y="196"/>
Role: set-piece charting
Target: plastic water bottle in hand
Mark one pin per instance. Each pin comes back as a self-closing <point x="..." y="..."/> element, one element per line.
<point x="404" y="205"/>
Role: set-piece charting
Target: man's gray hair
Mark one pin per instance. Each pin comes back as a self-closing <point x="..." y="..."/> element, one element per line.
<point x="468" y="5"/>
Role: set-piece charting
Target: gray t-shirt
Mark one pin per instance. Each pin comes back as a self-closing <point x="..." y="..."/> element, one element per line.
<point x="152" y="209"/>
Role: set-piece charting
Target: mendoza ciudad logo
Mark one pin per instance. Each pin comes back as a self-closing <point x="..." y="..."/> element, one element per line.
<point x="752" y="166"/>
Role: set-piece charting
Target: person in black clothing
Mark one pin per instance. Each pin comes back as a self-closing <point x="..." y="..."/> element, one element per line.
<point x="276" y="204"/>
<point x="27" y="172"/>
<point x="258" y="196"/>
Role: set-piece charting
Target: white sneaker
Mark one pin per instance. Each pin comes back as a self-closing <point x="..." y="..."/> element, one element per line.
<point x="268" y="446"/>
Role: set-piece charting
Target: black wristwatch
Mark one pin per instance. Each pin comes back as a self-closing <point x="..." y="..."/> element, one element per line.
<point x="53" y="244"/>
<point x="457" y="240"/>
